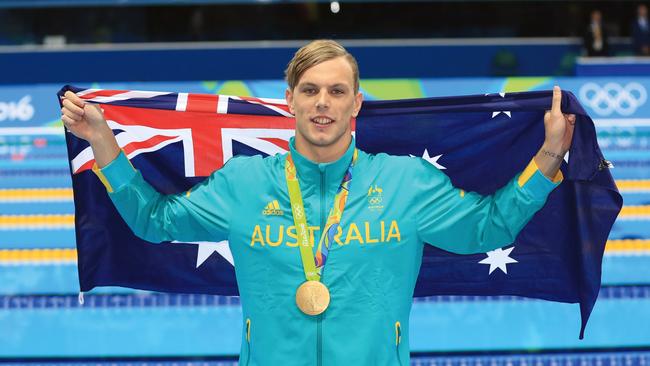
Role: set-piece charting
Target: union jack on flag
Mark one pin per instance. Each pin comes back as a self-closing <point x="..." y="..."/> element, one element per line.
<point x="206" y="133"/>
<point x="177" y="139"/>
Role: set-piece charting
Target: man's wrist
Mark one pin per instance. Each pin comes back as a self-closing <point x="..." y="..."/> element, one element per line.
<point x="551" y="154"/>
<point x="553" y="150"/>
<point x="101" y="136"/>
<point x="549" y="159"/>
<point x="105" y="147"/>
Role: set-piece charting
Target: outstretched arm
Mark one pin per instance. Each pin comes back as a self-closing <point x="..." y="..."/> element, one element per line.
<point x="203" y="213"/>
<point x="466" y="222"/>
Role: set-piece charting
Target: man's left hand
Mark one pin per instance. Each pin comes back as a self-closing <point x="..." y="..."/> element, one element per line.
<point x="559" y="133"/>
<point x="558" y="126"/>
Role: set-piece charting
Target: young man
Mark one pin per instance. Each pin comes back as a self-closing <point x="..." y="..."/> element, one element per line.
<point x="326" y="277"/>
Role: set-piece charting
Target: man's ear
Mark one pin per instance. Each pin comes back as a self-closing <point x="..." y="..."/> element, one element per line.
<point x="288" y="95"/>
<point x="358" y="100"/>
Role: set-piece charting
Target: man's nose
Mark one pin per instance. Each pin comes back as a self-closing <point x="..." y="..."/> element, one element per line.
<point x="322" y="102"/>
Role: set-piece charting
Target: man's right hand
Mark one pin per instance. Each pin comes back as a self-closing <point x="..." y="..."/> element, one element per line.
<point x="86" y="121"/>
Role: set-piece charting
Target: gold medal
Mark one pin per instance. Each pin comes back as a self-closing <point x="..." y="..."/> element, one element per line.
<point x="312" y="297"/>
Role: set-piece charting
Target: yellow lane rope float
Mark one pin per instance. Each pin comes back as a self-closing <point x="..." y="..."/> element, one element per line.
<point x="36" y="195"/>
<point x="30" y="222"/>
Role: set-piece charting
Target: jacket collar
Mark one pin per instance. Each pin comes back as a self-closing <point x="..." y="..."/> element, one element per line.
<point x="310" y="172"/>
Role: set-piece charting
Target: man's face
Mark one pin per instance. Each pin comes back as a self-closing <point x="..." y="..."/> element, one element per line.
<point x="324" y="102"/>
<point x="596" y="16"/>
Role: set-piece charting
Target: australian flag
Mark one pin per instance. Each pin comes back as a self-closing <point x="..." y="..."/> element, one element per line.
<point x="481" y="142"/>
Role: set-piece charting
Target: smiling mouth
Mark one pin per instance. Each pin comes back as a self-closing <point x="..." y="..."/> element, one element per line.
<point x="322" y="121"/>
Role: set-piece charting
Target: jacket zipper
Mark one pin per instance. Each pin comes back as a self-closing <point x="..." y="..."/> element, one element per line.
<point x="398" y="340"/>
<point x="248" y="340"/>
<point x="319" y="321"/>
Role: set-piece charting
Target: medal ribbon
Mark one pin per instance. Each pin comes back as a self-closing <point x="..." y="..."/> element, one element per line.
<point x="312" y="267"/>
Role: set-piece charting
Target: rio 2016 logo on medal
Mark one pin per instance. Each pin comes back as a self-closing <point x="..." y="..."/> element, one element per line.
<point x="312" y="297"/>
<point x="375" y="198"/>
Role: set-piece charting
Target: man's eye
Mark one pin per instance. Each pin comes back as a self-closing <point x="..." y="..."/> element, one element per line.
<point x="309" y="91"/>
<point x="337" y="91"/>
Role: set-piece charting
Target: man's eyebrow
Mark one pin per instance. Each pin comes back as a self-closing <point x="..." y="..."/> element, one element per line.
<point x="339" y="85"/>
<point x="307" y="84"/>
<point x="310" y="84"/>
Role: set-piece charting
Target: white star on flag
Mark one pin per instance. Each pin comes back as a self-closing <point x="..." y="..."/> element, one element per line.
<point x="206" y="248"/>
<point x="499" y="258"/>
<point x="507" y="113"/>
<point x="432" y="160"/>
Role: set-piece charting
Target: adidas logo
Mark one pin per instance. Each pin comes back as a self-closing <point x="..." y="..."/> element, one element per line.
<point x="272" y="208"/>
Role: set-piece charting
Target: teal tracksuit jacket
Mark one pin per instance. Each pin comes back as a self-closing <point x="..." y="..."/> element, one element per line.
<point x="395" y="205"/>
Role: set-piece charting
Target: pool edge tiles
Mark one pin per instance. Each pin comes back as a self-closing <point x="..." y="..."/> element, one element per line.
<point x="604" y="358"/>
<point x="121" y="332"/>
<point x="535" y="325"/>
<point x="113" y="330"/>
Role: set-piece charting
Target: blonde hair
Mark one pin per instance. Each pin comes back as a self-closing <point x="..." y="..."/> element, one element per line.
<point x="317" y="52"/>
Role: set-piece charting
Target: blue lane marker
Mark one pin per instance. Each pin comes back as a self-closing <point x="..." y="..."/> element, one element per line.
<point x="633" y="358"/>
<point x="146" y="299"/>
<point x="37" y="207"/>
